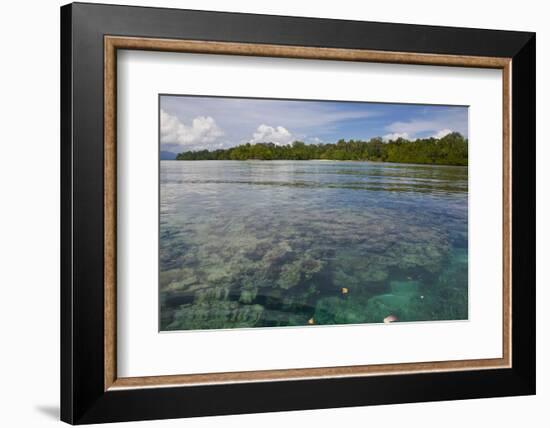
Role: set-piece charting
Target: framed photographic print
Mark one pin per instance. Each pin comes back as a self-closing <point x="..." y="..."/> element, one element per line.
<point x="266" y="213"/>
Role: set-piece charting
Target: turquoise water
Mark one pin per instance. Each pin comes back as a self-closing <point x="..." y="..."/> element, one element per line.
<point x="292" y="243"/>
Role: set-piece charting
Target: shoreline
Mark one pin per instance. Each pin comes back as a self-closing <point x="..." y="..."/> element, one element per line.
<point x="310" y="160"/>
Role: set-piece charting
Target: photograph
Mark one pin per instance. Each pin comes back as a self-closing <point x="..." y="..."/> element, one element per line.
<point x="304" y="213"/>
<point x="276" y="210"/>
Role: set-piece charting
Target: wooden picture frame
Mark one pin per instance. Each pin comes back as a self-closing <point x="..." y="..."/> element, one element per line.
<point x="91" y="390"/>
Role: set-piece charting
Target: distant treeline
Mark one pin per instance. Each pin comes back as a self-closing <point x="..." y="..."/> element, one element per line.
<point x="452" y="149"/>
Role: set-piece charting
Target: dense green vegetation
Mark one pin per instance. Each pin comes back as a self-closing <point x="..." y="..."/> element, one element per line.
<point x="449" y="150"/>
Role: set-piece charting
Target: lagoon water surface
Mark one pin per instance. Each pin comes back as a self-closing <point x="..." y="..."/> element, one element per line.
<point x="295" y="243"/>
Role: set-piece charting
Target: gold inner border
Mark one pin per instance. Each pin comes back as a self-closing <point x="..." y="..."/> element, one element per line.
<point x="113" y="43"/>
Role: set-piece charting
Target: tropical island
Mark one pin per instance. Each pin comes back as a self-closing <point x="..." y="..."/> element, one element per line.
<point x="452" y="149"/>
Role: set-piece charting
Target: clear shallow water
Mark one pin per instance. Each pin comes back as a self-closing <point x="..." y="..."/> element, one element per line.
<point x="289" y="243"/>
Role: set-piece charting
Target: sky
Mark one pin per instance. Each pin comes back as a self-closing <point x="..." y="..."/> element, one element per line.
<point x="198" y="123"/>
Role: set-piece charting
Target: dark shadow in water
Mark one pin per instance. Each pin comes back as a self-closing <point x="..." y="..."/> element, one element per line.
<point x="50" y="411"/>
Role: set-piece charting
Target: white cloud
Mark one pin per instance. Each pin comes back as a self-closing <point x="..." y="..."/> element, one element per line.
<point x="238" y="116"/>
<point x="395" y="136"/>
<point x="203" y="130"/>
<point x="437" y="125"/>
<point x="442" y="133"/>
<point x="268" y="134"/>
<point x="413" y="127"/>
<point x="315" y="140"/>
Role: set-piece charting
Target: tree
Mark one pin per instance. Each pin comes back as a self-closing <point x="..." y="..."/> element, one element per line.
<point x="452" y="149"/>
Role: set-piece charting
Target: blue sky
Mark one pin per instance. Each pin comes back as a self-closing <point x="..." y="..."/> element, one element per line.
<point x="196" y="123"/>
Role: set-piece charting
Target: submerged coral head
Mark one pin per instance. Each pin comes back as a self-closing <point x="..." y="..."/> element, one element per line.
<point x="390" y="318"/>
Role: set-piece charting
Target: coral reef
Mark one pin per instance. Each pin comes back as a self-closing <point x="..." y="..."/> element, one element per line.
<point x="252" y="246"/>
<point x="215" y="314"/>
